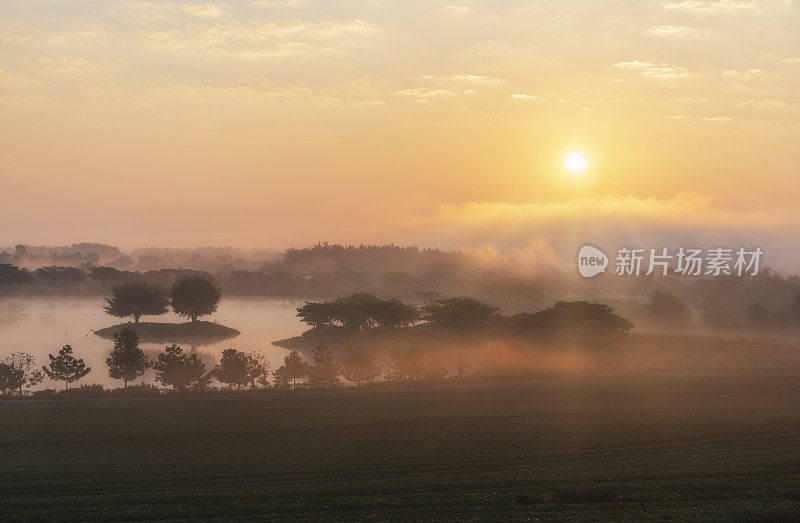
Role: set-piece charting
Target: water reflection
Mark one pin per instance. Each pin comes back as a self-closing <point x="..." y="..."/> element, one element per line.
<point x="42" y="325"/>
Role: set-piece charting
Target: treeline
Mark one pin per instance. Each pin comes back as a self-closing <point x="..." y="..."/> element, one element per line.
<point x="279" y="283"/>
<point x="577" y="323"/>
<point x="179" y="371"/>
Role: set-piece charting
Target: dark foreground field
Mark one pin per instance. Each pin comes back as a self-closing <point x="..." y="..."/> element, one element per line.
<point x="608" y="448"/>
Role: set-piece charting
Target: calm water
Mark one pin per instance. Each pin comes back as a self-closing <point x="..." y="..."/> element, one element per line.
<point x="42" y="325"/>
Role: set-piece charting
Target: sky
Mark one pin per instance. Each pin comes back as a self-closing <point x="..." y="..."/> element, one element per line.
<point x="276" y="123"/>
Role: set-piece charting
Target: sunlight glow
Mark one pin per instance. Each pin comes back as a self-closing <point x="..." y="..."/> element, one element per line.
<point x="575" y="162"/>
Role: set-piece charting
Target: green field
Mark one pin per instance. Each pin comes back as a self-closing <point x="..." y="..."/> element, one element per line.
<point x="643" y="446"/>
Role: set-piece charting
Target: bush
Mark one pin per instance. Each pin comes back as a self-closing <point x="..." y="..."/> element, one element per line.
<point x="143" y="390"/>
<point x="84" y="391"/>
<point x="44" y="394"/>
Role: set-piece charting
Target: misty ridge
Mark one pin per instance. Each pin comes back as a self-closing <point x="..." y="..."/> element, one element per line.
<point x="768" y="303"/>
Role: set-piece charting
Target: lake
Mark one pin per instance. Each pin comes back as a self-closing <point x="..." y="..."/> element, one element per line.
<point x="42" y="325"/>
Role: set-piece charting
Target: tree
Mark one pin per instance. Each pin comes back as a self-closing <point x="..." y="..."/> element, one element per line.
<point x="460" y="314"/>
<point x="13" y="275"/>
<point x="127" y="361"/>
<point x="325" y="371"/>
<point x="434" y="370"/>
<point x="178" y="370"/>
<point x="668" y="309"/>
<point x="23" y="371"/>
<point x="66" y="367"/>
<point x="65" y="275"/>
<point x="293" y="368"/>
<point x="258" y="370"/>
<point x="233" y="369"/>
<point x="136" y="300"/>
<point x="11" y="378"/>
<point x="405" y="365"/>
<point x="392" y="314"/>
<point x="194" y="296"/>
<point x="318" y="315"/>
<point x="359" y="367"/>
<point x="462" y="364"/>
<point x="571" y="323"/>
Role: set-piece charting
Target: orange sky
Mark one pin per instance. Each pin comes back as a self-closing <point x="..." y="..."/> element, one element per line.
<point x="284" y="122"/>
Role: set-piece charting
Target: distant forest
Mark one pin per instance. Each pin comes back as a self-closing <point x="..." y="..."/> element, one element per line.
<point x="766" y="303"/>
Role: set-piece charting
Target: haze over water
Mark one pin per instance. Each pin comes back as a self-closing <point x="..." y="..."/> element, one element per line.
<point x="42" y="325"/>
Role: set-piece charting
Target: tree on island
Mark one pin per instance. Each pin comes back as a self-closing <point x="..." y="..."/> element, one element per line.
<point x="127" y="361"/>
<point x="180" y="371"/>
<point x="293" y="368"/>
<point x="136" y="300"/>
<point x="66" y="367"/>
<point x="576" y="324"/>
<point x="460" y="314"/>
<point x="194" y="296"/>
<point x="325" y="371"/>
<point x="359" y="367"/>
<point x="20" y="370"/>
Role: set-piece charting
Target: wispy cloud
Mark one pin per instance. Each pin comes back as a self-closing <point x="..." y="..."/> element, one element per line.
<point x="523" y="97"/>
<point x="649" y="69"/>
<point x="206" y="11"/>
<point x="669" y="30"/>
<point x="717" y="6"/>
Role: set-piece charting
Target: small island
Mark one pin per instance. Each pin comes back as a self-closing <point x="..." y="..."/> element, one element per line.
<point x="191" y="296"/>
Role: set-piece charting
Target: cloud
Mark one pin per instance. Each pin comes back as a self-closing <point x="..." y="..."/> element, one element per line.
<point x="669" y="30"/>
<point x="649" y="69"/>
<point x="423" y="92"/>
<point x="261" y="39"/>
<point x="205" y="11"/>
<point x="721" y="6"/>
<point x="469" y="78"/>
<point x="458" y="8"/>
<point x="523" y="97"/>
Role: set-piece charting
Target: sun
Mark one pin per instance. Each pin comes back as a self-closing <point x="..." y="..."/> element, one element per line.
<point x="575" y="162"/>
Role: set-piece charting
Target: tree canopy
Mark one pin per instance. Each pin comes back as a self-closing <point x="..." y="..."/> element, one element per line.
<point x="136" y="300"/>
<point x="194" y="296"/>
<point x="66" y="367"/>
<point x="127" y="361"/>
<point x="179" y="370"/>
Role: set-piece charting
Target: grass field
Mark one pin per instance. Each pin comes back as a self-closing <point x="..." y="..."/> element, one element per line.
<point x="645" y="446"/>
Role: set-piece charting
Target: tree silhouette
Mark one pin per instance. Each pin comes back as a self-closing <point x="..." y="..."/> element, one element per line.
<point x="293" y="368"/>
<point x="405" y="365"/>
<point x="462" y="364"/>
<point x="23" y="371"/>
<point x="66" y="367"/>
<point x="127" y="361"/>
<point x="579" y="324"/>
<point x="257" y="370"/>
<point x="194" y="296"/>
<point x="233" y="369"/>
<point x="359" y="367"/>
<point x="180" y="371"/>
<point x="136" y="300"/>
<point x="460" y="314"/>
<point x="11" y="378"/>
<point x="325" y="371"/>
<point x="13" y="275"/>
